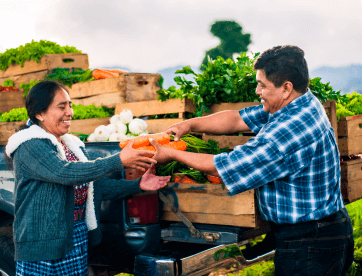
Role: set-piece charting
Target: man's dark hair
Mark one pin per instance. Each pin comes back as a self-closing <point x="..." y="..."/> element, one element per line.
<point x="284" y="63"/>
<point x="40" y="97"/>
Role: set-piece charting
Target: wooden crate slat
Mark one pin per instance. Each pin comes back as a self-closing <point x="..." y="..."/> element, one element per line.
<point x="98" y="87"/>
<point x="8" y="129"/>
<point x="87" y="126"/>
<point x="230" y="106"/>
<point x="349" y="145"/>
<point x="159" y="125"/>
<point x="48" y="62"/>
<point x="147" y="108"/>
<point x="141" y="87"/>
<point x="208" y="203"/>
<point x="351" y="190"/>
<point x="350" y="126"/>
<point x="10" y="100"/>
<point x="109" y="100"/>
<point x="25" y="78"/>
<point x="351" y="170"/>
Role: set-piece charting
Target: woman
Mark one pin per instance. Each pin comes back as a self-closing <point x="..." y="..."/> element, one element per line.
<point x="58" y="192"/>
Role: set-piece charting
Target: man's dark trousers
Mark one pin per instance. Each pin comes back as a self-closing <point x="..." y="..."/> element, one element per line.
<point x="322" y="247"/>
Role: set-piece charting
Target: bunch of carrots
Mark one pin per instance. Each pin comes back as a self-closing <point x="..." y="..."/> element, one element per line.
<point x="182" y="175"/>
<point x="106" y="73"/>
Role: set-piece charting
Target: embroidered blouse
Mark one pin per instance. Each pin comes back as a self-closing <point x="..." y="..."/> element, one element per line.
<point x="80" y="191"/>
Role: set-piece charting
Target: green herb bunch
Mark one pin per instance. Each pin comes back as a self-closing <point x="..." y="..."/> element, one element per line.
<point x="221" y="81"/>
<point x="69" y="76"/>
<point x="324" y="92"/>
<point x="349" y="107"/>
<point x="32" y="51"/>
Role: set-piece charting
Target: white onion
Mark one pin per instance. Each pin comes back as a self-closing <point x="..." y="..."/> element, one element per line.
<point x="117" y="137"/>
<point x="101" y="134"/>
<point x="115" y="119"/>
<point x="112" y="128"/>
<point x="137" y="126"/>
<point x="126" y="116"/>
<point x="91" y="138"/>
<point x="121" y="128"/>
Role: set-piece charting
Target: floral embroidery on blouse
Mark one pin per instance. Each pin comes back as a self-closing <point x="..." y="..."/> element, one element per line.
<point x="80" y="191"/>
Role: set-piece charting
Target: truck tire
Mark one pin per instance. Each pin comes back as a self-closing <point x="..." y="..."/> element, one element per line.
<point x="7" y="263"/>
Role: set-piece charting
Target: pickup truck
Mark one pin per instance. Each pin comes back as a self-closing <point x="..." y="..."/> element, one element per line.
<point x="140" y="245"/>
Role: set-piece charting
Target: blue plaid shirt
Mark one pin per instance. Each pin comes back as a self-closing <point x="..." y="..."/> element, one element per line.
<point x="292" y="162"/>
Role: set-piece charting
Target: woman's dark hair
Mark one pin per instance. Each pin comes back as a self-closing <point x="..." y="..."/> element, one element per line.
<point x="40" y="97"/>
<point x="284" y="63"/>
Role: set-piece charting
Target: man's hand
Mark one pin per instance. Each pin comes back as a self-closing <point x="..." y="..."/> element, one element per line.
<point x="179" y="129"/>
<point x="132" y="158"/>
<point x="163" y="154"/>
<point x="151" y="182"/>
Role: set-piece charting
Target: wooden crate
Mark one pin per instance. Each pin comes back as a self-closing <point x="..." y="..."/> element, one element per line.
<point x="351" y="180"/>
<point x="141" y="87"/>
<point x="87" y="126"/>
<point x="47" y="63"/>
<point x="107" y="92"/>
<point x="350" y="135"/>
<point x="147" y="108"/>
<point x="8" y="129"/>
<point x="232" y="141"/>
<point x="211" y="204"/>
<point x="10" y="100"/>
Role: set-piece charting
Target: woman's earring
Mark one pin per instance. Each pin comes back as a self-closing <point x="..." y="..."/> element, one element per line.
<point x="41" y="119"/>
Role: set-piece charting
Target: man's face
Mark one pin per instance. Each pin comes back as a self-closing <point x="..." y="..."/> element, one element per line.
<point x="271" y="97"/>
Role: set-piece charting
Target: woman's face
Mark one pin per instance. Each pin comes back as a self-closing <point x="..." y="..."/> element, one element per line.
<point x="56" y="119"/>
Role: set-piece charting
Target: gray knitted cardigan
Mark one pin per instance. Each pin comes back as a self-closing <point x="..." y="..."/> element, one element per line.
<point x="44" y="194"/>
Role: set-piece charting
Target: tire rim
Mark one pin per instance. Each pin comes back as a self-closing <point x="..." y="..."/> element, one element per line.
<point x="3" y="273"/>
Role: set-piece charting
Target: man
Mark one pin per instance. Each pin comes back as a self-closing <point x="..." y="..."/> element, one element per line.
<point x="293" y="163"/>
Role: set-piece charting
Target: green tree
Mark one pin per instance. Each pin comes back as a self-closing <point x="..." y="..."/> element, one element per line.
<point x="232" y="40"/>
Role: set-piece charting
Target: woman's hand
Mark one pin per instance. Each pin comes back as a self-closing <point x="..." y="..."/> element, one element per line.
<point x="151" y="182"/>
<point x="135" y="159"/>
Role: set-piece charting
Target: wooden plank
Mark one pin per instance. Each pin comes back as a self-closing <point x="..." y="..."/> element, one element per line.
<point x="350" y="126"/>
<point x="210" y="204"/>
<point x="230" y="106"/>
<point x="349" y="145"/>
<point x="333" y="118"/>
<point x="10" y="100"/>
<point x="141" y="87"/>
<point x="8" y="129"/>
<point x="25" y="78"/>
<point x="351" y="190"/>
<point x="109" y="100"/>
<point x="87" y="126"/>
<point x="227" y="141"/>
<point x="159" y="125"/>
<point x="98" y="87"/>
<point x="147" y="108"/>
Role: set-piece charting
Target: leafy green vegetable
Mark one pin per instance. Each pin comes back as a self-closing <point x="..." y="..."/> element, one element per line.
<point x="8" y="82"/>
<point x="32" y="51"/>
<point x="80" y="112"/>
<point x="350" y="106"/>
<point x="28" y="86"/>
<point x="15" y="115"/>
<point x="69" y="76"/>
<point x="323" y="91"/>
<point x="91" y="111"/>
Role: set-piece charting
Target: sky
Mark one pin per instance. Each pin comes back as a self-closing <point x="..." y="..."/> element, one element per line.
<point x="147" y="36"/>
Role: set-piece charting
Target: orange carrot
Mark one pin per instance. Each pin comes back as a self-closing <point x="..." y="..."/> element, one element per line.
<point x="150" y="148"/>
<point x="183" y="179"/>
<point x="141" y="141"/>
<point x="105" y="73"/>
<point x="213" y="179"/>
<point x="178" y="145"/>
